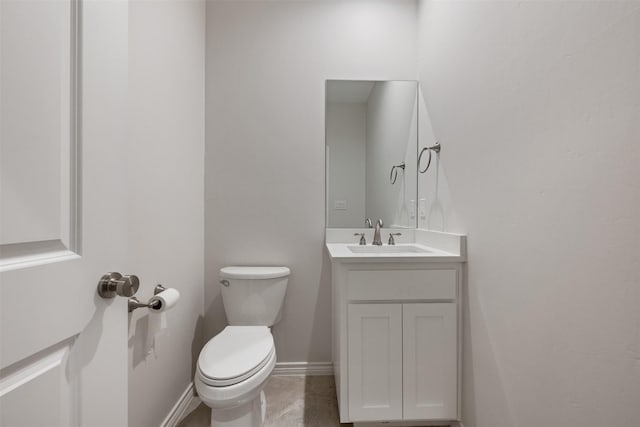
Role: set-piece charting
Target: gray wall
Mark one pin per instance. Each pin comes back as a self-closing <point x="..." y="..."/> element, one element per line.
<point x="536" y="105"/>
<point x="166" y="196"/>
<point x="266" y="68"/>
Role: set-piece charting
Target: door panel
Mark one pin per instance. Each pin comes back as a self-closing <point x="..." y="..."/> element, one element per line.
<point x="375" y="361"/>
<point x="63" y="348"/>
<point x="38" y="167"/>
<point x="430" y="361"/>
<point x="30" y="386"/>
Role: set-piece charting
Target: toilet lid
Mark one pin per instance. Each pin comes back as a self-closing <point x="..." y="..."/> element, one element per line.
<point x="244" y="272"/>
<point x="235" y="354"/>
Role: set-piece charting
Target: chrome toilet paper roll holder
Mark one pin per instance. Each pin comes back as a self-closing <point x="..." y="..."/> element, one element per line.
<point x="135" y="302"/>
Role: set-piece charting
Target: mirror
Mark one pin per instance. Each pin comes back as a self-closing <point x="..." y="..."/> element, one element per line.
<point x="371" y="132"/>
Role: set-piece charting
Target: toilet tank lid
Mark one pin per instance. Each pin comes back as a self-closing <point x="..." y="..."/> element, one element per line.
<point x="245" y="272"/>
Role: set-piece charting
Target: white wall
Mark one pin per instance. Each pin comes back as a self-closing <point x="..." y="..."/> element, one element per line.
<point x="391" y="140"/>
<point x="346" y="145"/>
<point x="166" y="196"/>
<point x="266" y="68"/>
<point x="536" y="105"/>
<point x="434" y="195"/>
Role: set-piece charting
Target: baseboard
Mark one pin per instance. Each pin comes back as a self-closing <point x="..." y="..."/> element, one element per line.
<point x="302" y="368"/>
<point x="178" y="410"/>
<point x="408" y="424"/>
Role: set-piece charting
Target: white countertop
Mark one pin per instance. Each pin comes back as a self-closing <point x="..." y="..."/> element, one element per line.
<point x="341" y="252"/>
<point x="422" y="246"/>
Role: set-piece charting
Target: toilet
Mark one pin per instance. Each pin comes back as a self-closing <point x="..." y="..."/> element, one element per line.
<point x="234" y="366"/>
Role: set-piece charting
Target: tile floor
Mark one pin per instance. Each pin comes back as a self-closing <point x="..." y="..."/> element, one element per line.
<point x="292" y="401"/>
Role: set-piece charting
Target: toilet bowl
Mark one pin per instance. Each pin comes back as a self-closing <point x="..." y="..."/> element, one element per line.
<point x="234" y="366"/>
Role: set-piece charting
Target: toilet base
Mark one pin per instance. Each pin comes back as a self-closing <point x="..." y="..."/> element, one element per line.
<point x="249" y="414"/>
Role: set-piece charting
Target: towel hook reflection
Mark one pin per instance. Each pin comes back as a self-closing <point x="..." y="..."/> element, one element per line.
<point x="394" y="172"/>
<point x="436" y="148"/>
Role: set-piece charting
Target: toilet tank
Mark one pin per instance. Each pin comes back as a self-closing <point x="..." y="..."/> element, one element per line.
<point x="253" y="296"/>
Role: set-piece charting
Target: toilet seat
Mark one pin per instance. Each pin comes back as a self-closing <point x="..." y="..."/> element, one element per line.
<point x="235" y="354"/>
<point x="226" y="397"/>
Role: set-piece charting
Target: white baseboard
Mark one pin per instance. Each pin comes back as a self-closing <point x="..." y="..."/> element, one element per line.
<point x="408" y="424"/>
<point x="178" y="410"/>
<point x="302" y="368"/>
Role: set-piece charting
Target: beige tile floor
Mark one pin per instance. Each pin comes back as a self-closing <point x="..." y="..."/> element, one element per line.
<point x="292" y="401"/>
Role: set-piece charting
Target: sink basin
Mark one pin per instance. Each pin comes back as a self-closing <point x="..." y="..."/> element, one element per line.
<point x="397" y="249"/>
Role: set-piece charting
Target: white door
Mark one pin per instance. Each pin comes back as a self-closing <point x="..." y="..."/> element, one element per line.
<point x="430" y="361"/>
<point x="375" y="361"/>
<point x="63" y="354"/>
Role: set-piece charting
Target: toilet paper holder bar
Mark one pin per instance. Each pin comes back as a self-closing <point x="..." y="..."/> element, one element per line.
<point x="135" y="302"/>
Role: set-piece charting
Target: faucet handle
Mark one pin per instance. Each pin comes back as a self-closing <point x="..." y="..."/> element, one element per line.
<point x="363" y="241"/>
<point x="392" y="241"/>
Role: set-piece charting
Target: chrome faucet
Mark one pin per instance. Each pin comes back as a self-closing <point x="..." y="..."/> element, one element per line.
<point x="377" y="240"/>
<point x="367" y="223"/>
<point x="392" y="241"/>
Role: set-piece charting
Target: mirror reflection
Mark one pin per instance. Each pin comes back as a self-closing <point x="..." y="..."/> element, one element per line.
<point x="371" y="151"/>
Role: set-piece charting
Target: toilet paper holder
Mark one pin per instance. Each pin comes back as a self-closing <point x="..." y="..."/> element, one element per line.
<point x="135" y="302"/>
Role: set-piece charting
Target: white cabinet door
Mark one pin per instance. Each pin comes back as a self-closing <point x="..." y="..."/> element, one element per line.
<point x="375" y="361"/>
<point x="430" y="361"/>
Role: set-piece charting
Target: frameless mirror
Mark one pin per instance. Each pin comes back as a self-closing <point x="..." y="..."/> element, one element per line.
<point x="371" y="131"/>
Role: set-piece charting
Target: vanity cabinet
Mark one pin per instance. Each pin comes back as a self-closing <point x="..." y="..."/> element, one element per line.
<point x="396" y="336"/>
